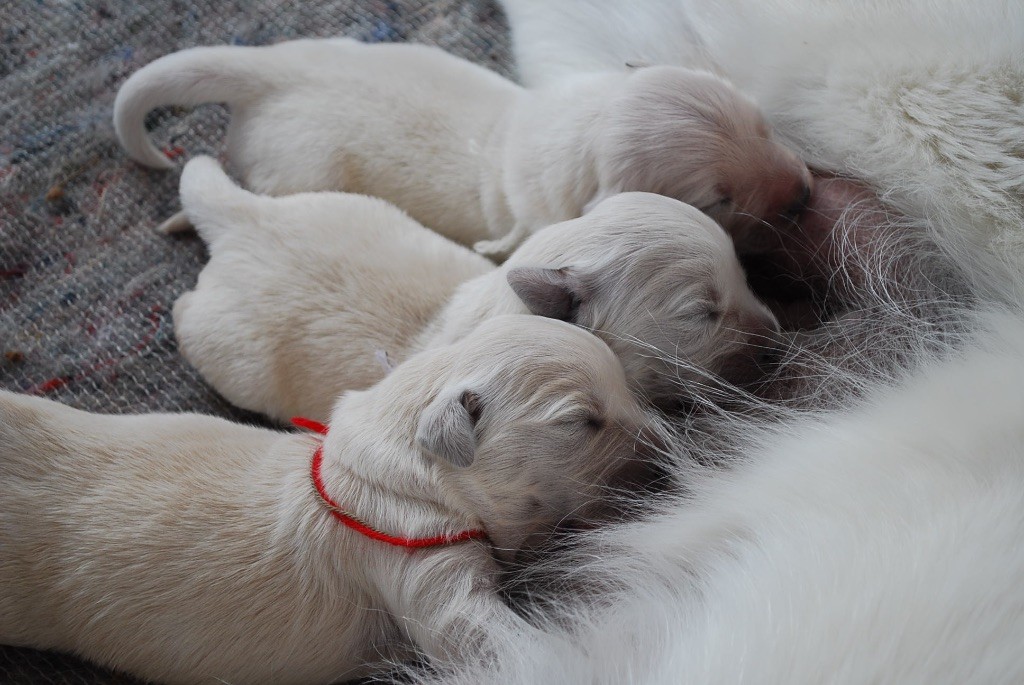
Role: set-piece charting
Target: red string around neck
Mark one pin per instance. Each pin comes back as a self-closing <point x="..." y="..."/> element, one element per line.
<point x="354" y="523"/>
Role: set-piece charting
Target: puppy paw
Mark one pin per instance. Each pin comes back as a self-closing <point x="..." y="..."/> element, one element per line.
<point x="496" y="250"/>
<point x="384" y="360"/>
<point x="500" y="248"/>
<point x="178" y="223"/>
<point x="486" y="248"/>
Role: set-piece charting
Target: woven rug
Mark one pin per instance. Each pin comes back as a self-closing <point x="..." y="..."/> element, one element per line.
<point x="86" y="286"/>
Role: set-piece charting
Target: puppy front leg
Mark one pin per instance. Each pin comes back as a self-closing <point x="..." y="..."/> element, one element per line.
<point x="447" y="604"/>
<point x="464" y="630"/>
<point x="382" y="358"/>
<point x="500" y="248"/>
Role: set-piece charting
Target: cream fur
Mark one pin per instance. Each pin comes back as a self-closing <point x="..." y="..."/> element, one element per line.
<point x="880" y="543"/>
<point x="465" y="152"/>
<point x="302" y="292"/>
<point x="184" y="548"/>
<point x="921" y="99"/>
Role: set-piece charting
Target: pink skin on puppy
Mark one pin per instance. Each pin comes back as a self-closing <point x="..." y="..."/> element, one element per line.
<point x="838" y="233"/>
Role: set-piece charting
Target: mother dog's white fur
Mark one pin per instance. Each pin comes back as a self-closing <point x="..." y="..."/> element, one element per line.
<point x="184" y="548"/>
<point x="464" y="151"/>
<point x="878" y="544"/>
<point x="302" y="293"/>
<point x="924" y="100"/>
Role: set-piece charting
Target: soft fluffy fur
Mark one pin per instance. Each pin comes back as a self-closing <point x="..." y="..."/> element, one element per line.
<point x="876" y="544"/>
<point x="466" y="152"/>
<point x="879" y="541"/>
<point x="922" y="100"/>
<point x="184" y="548"/>
<point x="304" y="295"/>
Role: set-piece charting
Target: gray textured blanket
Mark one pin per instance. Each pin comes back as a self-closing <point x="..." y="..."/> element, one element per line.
<point x="86" y="286"/>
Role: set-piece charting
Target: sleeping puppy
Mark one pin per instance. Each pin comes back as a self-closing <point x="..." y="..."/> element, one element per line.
<point x="184" y="548"/>
<point x="304" y="294"/>
<point x="466" y="152"/>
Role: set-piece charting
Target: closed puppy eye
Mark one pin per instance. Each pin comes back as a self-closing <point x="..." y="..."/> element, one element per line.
<point x="707" y="312"/>
<point x="722" y="205"/>
<point x="587" y="420"/>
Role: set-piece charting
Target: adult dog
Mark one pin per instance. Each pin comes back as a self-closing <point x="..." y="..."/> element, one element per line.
<point x="878" y="541"/>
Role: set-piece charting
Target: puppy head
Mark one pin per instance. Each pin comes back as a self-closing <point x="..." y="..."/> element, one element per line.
<point x="534" y="427"/>
<point x="691" y="136"/>
<point x="659" y="282"/>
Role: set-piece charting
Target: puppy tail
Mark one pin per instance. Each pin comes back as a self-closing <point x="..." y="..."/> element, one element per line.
<point x="211" y="201"/>
<point x="228" y="74"/>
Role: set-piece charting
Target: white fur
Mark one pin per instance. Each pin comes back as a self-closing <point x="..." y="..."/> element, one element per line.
<point x="303" y="292"/>
<point x="184" y="548"/>
<point x="876" y="544"/>
<point x="465" y="152"/>
<point x="924" y="100"/>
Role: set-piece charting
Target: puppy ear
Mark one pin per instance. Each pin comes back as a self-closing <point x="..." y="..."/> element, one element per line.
<point x="551" y="293"/>
<point x="447" y="427"/>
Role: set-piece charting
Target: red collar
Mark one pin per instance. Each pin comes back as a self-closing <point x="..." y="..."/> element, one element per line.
<point x="362" y="528"/>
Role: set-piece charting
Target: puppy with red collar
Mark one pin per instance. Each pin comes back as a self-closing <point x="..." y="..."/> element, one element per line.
<point x="466" y="152"/>
<point x="184" y="548"/>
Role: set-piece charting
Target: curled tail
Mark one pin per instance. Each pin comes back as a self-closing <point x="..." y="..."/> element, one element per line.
<point x="213" y="202"/>
<point x="195" y="76"/>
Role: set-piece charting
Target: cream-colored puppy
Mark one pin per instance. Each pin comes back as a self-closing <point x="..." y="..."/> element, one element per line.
<point x="187" y="549"/>
<point x="305" y="294"/>
<point x="466" y="152"/>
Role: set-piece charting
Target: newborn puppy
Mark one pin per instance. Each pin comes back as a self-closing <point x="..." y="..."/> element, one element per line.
<point x="304" y="293"/>
<point x="466" y="152"/>
<point x="185" y="549"/>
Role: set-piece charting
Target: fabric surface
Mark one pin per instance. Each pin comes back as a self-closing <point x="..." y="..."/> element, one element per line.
<point x="86" y="285"/>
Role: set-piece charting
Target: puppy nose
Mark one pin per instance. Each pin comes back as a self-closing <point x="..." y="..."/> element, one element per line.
<point x="647" y="474"/>
<point x="798" y="206"/>
<point x="767" y="340"/>
<point x="769" y="356"/>
<point x="650" y="440"/>
<point x="805" y="194"/>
